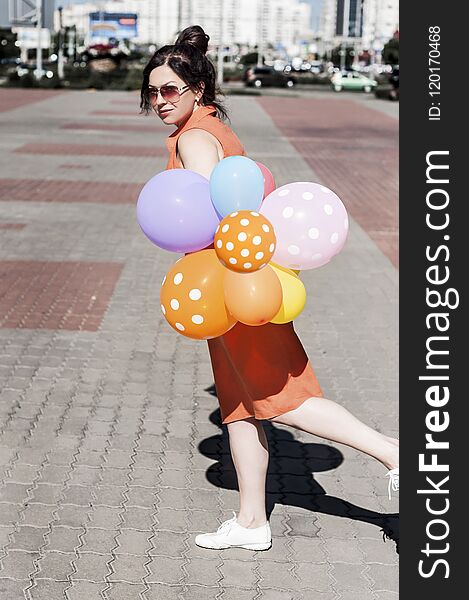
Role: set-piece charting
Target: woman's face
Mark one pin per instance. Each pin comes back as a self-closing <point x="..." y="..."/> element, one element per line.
<point x="171" y="112"/>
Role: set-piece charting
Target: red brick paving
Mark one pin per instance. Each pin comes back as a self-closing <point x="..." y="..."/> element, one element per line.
<point x="74" y="166"/>
<point x="12" y="225"/>
<point x="90" y="125"/>
<point x="90" y="149"/>
<point x="354" y="151"/>
<point x="11" y="98"/>
<point x="119" y="113"/>
<point x="56" y="190"/>
<point x="56" y="295"/>
<point x="132" y="102"/>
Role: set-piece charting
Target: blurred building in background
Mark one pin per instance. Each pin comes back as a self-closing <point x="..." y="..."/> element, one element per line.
<point x="369" y="24"/>
<point x="380" y="21"/>
<point x="278" y="30"/>
<point x="280" y="22"/>
<point x="349" y="21"/>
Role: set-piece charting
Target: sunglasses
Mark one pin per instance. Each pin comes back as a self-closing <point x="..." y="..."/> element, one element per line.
<point x="169" y="93"/>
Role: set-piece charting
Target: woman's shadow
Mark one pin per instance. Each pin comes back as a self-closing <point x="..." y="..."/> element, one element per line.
<point x="289" y="479"/>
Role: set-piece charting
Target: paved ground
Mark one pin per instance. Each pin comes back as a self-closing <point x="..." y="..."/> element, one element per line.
<point x="112" y="456"/>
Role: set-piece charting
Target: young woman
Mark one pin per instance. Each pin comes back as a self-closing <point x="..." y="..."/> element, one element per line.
<point x="260" y="372"/>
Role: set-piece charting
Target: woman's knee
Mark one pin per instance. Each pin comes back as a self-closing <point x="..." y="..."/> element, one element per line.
<point x="248" y="423"/>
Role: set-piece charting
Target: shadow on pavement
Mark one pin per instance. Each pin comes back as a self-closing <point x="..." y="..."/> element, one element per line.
<point x="289" y="479"/>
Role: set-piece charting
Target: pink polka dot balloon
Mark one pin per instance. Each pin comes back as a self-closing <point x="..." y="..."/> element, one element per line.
<point x="310" y="222"/>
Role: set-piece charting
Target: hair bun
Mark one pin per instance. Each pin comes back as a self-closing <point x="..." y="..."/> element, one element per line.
<point x="195" y="36"/>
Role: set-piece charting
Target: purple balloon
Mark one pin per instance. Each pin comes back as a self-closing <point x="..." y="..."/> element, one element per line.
<point x="175" y="211"/>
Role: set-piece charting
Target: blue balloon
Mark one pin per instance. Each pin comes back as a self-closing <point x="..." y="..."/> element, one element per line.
<point x="236" y="183"/>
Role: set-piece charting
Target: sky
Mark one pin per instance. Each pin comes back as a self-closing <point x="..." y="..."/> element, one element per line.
<point x="316" y="6"/>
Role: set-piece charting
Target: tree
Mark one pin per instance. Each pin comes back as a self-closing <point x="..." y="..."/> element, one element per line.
<point x="7" y="44"/>
<point x="390" y="54"/>
<point x="249" y="59"/>
<point x="336" y="56"/>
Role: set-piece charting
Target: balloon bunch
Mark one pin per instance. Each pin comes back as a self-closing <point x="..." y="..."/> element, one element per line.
<point x="259" y="238"/>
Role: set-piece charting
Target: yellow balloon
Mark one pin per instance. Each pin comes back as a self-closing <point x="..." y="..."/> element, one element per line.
<point x="294" y="294"/>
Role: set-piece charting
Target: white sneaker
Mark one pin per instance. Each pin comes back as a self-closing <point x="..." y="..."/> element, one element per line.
<point x="231" y="535"/>
<point x="393" y="475"/>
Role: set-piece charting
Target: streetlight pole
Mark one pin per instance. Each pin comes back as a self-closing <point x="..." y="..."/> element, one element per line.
<point x="220" y="45"/>
<point x="179" y="25"/>
<point x="260" y="45"/>
<point x="39" y="71"/>
<point x="345" y="33"/>
<point x="60" y="53"/>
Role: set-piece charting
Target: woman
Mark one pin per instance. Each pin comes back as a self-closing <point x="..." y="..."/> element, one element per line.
<point x="260" y="372"/>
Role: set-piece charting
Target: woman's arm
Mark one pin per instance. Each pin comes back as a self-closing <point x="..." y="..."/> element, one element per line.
<point x="198" y="151"/>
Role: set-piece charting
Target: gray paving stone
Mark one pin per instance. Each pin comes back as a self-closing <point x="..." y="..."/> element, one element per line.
<point x="92" y="567"/>
<point x="203" y="571"/>
<point x="46" y="493"/>
<point x="45" y="589"/>
<point x="11" y="588"/>
<point x="105" y="516"/>
<point x="128" y="568"/>
<point x="138" y="518"/>
<point x="240" y="594"/>
<point x="167" y="543"/>
<point x="237" y="573"/>
<point x="63" y="539"/>
<point x="99" y="540"/>
<point x="38" y="515"/>
<point x="142" y="496"/>
<point x="56" y="565"/>
<point x="350" y="576"/>
<point x="29" y="538"/>
<point x="383" y="577"/>
<point x="387" y="595"/>
<point x="85" y="589"/>
<point x="73" y="516"/>
<point x="203" y="521"/>
<point x="175" y="478"/>
<point x="22" y="473"/>
<point x="173" y="498"/>
<point x="157" y="591"/>
<point x="308" y="549"/>
<point x="18" y="564"/>
<point x="132" y="541"/>
<point x="355" y="595"/>
<point x="14" y="492"/>
<point x="165" y="570"/>
<point x="306" y="527"/>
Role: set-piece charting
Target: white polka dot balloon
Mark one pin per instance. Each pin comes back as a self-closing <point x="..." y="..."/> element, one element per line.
<point x="244" y="241"/>
<point x="310" y="222"/>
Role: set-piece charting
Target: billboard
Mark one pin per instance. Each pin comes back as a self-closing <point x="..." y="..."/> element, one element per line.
<point x="27" y="37"/>
<point x="113" y="25"/>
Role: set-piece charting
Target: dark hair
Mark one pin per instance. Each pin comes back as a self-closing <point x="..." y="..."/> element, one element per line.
<point x="186" y="57"/>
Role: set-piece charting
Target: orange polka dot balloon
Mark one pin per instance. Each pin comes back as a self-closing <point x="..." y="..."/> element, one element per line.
<point x="245" y="241"/>
<point x="192" y="296"/>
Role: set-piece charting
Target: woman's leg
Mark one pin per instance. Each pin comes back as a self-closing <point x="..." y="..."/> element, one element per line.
<point x="249" y="450"/>
<point x="331" y="421"/>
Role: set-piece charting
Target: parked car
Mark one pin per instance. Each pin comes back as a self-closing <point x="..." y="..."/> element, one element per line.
<point x="267" y="76"/>
<point x="23" y="69"/>
<point x="388" y="85"/>
<point x="394" y="81"/>
<point x="352" y="80"/>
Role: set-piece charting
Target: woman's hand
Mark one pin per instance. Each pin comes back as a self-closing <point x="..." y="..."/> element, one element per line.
<point x="198" y="151"/>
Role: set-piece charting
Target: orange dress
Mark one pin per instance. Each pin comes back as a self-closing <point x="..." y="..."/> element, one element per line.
<point x="260" y="371"/>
